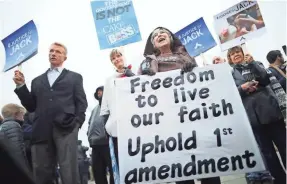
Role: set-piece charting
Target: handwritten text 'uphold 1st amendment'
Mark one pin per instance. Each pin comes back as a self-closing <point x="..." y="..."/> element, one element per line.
<point x="174" y="127"/>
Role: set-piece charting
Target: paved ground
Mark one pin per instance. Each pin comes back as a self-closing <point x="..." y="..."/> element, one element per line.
<point x="234" y="179"/>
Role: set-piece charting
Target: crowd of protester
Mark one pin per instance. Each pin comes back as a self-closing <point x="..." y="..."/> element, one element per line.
<point x="39" y="138"/>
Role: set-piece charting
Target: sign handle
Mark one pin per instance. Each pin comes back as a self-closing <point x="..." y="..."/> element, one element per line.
<point x="203" y="59"/>
<point x="20" y="67"/>
<point x="244" y="48"/>
<point x="122" y="49"/>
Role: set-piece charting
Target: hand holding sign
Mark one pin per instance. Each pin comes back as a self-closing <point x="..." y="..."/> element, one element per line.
<point x="19" y="78"/>
<point x="248" y="58"/>
<point x="146" y="67"/>
<point x="128" y="72"/>
<point x="187" y="67"/>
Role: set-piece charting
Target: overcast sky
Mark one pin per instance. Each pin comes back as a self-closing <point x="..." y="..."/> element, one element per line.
<point x="71" y="22"/>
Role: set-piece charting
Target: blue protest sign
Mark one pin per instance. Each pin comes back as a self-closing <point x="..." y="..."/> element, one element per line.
<point x="196" y="38"/>
<point x="116" y="23"/>
<point x="21" y="45"/>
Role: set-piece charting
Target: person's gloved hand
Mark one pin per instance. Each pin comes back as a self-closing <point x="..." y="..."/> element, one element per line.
<point x="148" y="71"/>
<point x="187" y="67"/>
<point x="128" y="72"/>
<point x="146" y="67"/>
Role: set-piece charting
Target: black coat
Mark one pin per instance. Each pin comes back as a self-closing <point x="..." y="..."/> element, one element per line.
<point x="63" y="105"/>
<point x="13" y="131"/>
<point x="279" y="77"/>
<point x="261" y="106"/>
<point x="96" y="131"/>
<point x="82" y="152"/>
<point x="13" y="169"/>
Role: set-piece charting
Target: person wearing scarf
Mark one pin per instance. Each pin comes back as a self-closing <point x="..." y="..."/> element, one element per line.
<point x="165" y="52"/>
<point x="277" y="66"/>
<point x="277" y="72"/>
<point x="262" y="109"/>
<point x="108" y="106"/>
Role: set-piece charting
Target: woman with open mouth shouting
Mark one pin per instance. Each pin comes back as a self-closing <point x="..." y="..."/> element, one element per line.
<point x="165" y="52"/>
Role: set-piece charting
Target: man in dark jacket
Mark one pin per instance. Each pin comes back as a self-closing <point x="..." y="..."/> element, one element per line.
<point x="59" y="101"/>
<point x="11" y="126"/>
<point x="99" y="142"/>
<point x="277" y="66"/>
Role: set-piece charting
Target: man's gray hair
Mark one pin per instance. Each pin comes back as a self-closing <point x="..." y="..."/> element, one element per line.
<point x="61" y="45"/>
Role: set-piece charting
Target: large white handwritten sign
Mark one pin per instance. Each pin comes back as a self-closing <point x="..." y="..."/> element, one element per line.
<point x="174" y="127"/>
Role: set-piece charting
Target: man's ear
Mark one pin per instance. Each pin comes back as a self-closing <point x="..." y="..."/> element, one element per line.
<point x="65" y="58"/>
